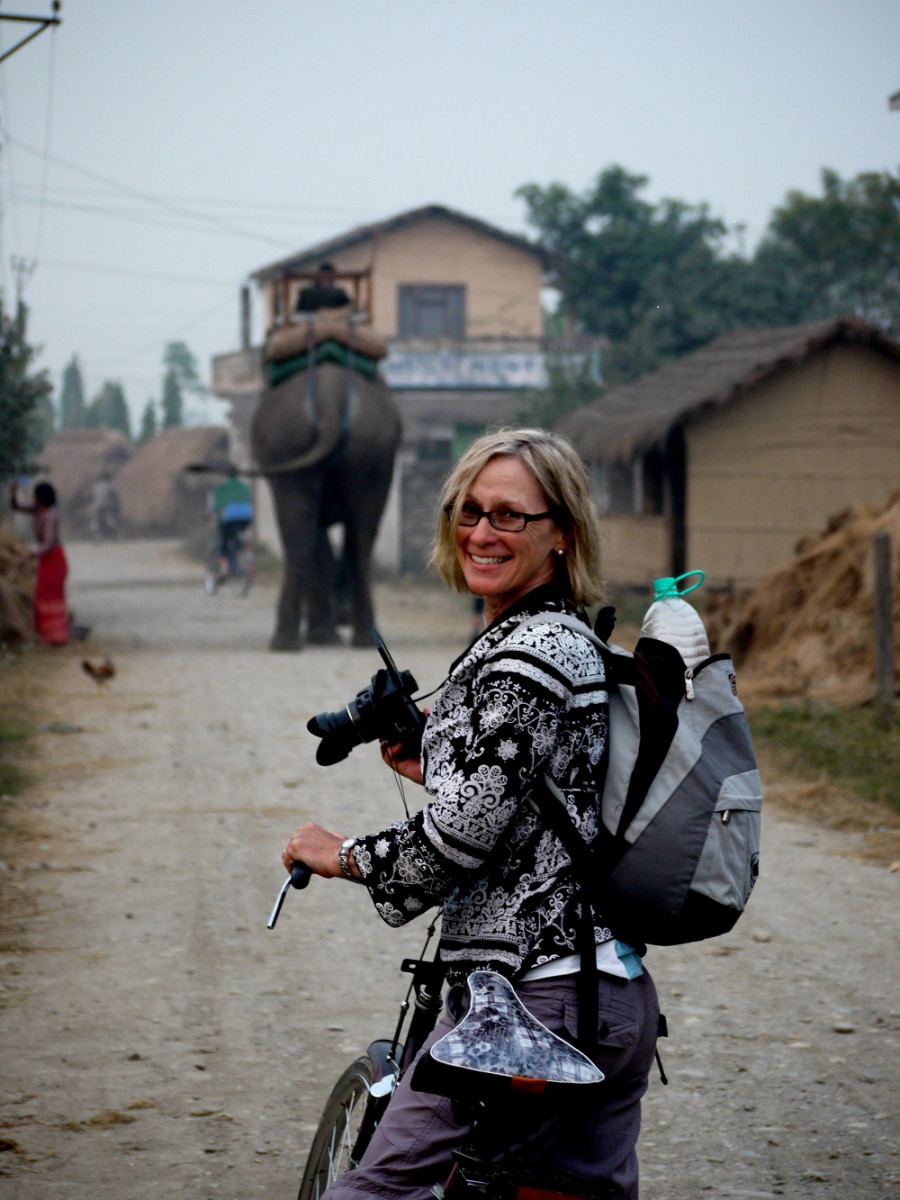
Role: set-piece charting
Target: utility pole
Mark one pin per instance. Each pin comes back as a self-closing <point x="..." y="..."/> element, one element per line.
<point x="41" y="22"/>
<point x="24" y="268"/>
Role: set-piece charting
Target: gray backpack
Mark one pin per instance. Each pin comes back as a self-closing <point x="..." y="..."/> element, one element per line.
<point x="679" y="851"/>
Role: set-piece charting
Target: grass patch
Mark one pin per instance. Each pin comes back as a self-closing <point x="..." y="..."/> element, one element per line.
<point x="17" y="724"/>
<point x="849" y="745"/>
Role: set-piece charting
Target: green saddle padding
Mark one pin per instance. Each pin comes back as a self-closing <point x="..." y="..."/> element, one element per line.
<point x="330" y="351"/>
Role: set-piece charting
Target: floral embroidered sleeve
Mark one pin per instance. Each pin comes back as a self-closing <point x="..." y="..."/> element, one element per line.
<point x="493" y="732"/>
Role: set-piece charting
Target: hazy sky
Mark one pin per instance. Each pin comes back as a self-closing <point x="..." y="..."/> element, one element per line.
<point x="155" y="152"/>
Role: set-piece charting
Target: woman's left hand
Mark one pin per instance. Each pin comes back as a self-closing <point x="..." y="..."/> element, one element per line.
<point x="409" y="768"/>
<point x="317" y="847"/>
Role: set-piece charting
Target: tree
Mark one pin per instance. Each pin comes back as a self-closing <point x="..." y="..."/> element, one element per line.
<point x="109" y="410"/>
<point x="72" y="407"/>
<point x="24" y="396"/>
<point x="653" y="279"/>
<point x="572" y="381"/>
<point x="178" y="358"/>
<point x="172" y="402"/>
<point x="839" y="252"/>
<point x="149" y="424"/>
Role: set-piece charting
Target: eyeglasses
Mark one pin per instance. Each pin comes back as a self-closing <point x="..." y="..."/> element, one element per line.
<point x="504" y="519"/>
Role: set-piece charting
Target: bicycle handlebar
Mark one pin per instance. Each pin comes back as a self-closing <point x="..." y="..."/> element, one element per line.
<point x="299" y="877"/>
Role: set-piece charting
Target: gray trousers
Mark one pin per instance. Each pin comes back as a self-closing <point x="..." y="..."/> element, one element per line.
<point x="412" y="1148"/>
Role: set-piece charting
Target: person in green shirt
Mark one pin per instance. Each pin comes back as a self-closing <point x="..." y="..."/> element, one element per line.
<point x="232" y="506"/>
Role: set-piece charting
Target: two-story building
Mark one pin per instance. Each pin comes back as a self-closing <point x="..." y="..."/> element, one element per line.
<point x="458" y="302"/>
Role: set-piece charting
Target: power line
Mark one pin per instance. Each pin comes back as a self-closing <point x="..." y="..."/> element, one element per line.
<point x="134" y="273"/>
<point x="177" y="209"/>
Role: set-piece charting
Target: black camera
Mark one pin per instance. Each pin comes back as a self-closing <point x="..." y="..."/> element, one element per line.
<point x="385" y="709"/>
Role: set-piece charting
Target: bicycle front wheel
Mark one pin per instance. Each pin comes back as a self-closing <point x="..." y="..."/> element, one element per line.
<point x="343" y="1132"/>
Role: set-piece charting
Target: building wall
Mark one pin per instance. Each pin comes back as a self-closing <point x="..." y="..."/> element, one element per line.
<point x="503" y="282"/>
<point x="772" y="467"/>
<point x="635" y="548"/>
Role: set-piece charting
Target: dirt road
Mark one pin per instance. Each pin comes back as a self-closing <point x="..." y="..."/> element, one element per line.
<point x="158" y="1040"/>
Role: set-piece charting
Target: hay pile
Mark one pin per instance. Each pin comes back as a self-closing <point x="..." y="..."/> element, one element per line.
<point x="16" y="587"/>
<point x="809" y="628"/>
<point x="157" y="497"/>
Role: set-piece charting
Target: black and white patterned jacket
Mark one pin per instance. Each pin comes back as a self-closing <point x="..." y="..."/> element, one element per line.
<point x="520" y="702"/>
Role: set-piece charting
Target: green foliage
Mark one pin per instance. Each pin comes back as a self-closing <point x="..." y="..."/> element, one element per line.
<point x="72" y="406"/>
<point x="848" y="744"/>
<point x="650" y="278"/>
<point x="149" y="423"/>
<point x="572" y="382"/>
<point x="109" y="410"/>
<point x="841" y="250"/>
<point x="13" y="738"/>
<point x="24" y="396"/>
<point x="178" y="359"/>
<point x="172" y="401"/>
<point x="657" y="282"/>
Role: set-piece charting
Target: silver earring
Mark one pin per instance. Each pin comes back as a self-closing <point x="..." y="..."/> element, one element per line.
<point x="559" y="553"/>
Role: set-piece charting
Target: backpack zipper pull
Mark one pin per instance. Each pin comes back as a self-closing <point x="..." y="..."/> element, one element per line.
<point x="689" y="683"/>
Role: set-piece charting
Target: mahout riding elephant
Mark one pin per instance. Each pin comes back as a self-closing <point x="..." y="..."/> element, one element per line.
<point x="326" y="441"/>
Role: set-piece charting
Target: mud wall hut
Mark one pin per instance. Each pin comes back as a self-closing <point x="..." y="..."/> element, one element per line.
<point x="726" y="458"/>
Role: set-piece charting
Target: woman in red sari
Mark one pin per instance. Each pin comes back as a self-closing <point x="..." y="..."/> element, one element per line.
<point x="51" y="618"/>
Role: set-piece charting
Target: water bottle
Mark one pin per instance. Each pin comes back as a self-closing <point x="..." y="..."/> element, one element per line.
<point x="672" y="619"/>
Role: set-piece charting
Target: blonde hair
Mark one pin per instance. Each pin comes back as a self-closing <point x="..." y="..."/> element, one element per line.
<point x="562" y="478"/>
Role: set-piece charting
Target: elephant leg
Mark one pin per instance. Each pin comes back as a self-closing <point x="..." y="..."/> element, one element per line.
<point x="321" y="629"/>
<point x="360" y="530"/>
<point x="296" y="497"/>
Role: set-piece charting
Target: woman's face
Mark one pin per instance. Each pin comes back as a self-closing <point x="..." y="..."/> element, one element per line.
<point x="498" y="565"/>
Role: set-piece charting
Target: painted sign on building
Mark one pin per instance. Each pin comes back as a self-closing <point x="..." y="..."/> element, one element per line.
<point x="465" y="369"/>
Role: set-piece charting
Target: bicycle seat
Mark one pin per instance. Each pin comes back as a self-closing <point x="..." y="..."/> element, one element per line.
<point x="499" y="1047"/>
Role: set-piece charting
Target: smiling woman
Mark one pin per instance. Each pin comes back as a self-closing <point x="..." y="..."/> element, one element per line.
<point x="527" y="698"/>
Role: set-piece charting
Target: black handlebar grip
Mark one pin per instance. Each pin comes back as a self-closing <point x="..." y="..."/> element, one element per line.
<point x="300" y="875"/>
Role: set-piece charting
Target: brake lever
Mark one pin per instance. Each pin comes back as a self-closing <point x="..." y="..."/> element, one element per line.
<point x="299" y="877"/>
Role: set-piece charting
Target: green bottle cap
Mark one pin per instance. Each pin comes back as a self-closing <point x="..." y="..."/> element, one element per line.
<point x="666" y="587"/>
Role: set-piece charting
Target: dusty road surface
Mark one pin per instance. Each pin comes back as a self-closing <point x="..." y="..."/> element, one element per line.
<point x="159" y="1041"/>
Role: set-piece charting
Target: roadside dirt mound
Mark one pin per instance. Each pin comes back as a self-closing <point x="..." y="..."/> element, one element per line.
<point x="75" y="459"/>
<point x="16" y="587"/>
<point x="809" y="628"/>
<point x="158" y="498"/>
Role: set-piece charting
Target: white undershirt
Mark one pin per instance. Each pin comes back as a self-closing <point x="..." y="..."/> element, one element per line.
<point x="613" y="958"/>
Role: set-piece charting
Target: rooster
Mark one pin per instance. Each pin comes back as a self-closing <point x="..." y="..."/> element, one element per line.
<point x="101" y="673"/>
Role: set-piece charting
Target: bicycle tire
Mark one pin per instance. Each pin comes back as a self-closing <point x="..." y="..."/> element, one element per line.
<point x="240" y="577"/>
<point x="343" y="1131"/>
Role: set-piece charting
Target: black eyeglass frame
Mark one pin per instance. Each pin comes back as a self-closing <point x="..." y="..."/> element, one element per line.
<point x="526" y="518"/>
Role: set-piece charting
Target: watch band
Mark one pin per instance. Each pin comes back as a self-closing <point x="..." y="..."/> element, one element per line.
<point x="344" y="858"/>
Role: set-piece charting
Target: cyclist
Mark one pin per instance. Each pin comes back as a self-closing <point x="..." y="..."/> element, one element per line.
<point x="518" y="528"/>
<point x="232" y="507"/>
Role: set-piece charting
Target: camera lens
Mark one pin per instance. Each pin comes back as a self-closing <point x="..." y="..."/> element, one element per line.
<point x="338" y="733"/>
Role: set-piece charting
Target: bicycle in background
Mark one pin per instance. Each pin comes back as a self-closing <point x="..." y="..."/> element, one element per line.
<point x="240" y="570"/>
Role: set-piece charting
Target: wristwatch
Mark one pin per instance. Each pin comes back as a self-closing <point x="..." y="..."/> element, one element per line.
<point x="344" y="858"/>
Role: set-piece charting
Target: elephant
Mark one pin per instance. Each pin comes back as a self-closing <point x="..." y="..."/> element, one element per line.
<point x="325" y="439"/>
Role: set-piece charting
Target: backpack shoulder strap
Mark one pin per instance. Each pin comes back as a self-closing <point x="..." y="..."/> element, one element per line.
<point x="618" y="664"/>
<point x="551" y="806"/>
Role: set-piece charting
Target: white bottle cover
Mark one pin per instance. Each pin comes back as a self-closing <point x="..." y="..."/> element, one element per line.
<point x="672" y="619"/>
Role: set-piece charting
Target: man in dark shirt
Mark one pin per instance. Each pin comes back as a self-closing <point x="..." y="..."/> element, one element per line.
<point x="323" y="293"/>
